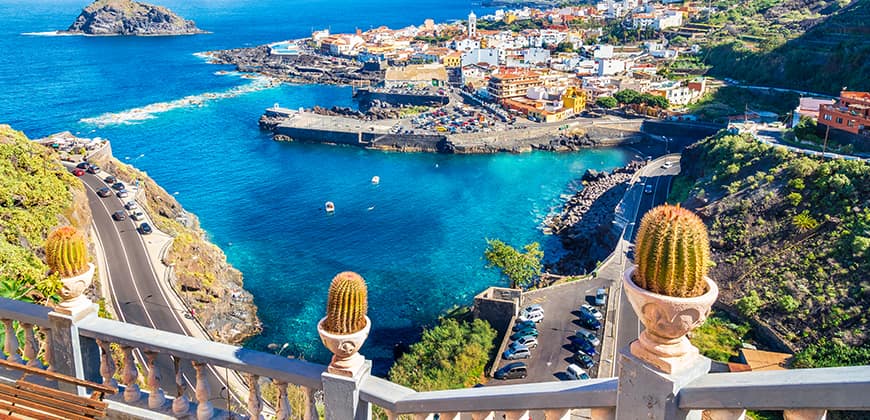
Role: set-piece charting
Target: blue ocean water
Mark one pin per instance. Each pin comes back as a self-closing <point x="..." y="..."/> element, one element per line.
<point x="418" y="237"/>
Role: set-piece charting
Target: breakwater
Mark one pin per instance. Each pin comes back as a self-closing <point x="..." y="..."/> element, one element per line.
<point x="584" y="223"/>
<point x="369" y="98"/>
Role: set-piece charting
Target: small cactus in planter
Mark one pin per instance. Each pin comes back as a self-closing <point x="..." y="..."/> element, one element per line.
<point x="66" y="253"/>
<point x="672" y="252"/>
<point x="345" y="327"/>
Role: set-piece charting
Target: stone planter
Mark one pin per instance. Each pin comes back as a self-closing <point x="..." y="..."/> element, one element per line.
<point x="667" y="320"/>
<point x="73" y="290"/>
<point x="346" y="360"/>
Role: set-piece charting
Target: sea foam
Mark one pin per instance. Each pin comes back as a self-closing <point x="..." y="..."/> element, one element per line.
<point x="49" y="33"/>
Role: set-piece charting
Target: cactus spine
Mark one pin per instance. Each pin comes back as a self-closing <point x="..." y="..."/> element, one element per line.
<point x="347" y="304"/>
<point x="65" y="252"/>
<point x="672" y="252"/>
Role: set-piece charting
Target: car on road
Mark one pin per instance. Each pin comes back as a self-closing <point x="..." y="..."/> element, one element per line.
<point x="119" y="186"/>
<point x="583" y="345"/>
<point x="122" y="194"/>
<point x="78" y="172"/>
<point x="130" y="205"/>
<point x="592" y="311"/>
<point x="576" y="372"/>
<point x="600" y="297"/>
<point x="648" y="189"/>
<point x="145" y="228"/>
<point x="119" y="215"/>
<point x="668" y="164"/>
<point x="93" y="169"/>
<point x="528" y="341"/>
<point x="83" y="166"/>
<point x="137" y="216"/>
<point x="524" y="333"/>
<point x="515" y="370"/>
<point x="110" y="179"/>
<point x="104" y="192"/>
<point x="518" y="352"/>
<point x="589" y="336"/>
<point x="523" y="325"/>
<point x="582" y="359"/>
<point x="589" y="321"/>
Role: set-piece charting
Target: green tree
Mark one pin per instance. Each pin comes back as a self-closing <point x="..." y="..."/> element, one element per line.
<point x="607" y="102"/>
<point x="565" y="46"/>
<point x="655" y="100"/>
<point x="627" y="96"/>
<point x="521" y="268"/>
<point x="449" y="356"/>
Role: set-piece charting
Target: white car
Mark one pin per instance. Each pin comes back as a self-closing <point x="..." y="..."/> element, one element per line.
<point x="528" y="341"/>
<point x="668" y="164"/>
<point x="534" y="316"/>
<point x="519" y="352"/>
<point x="591" y="310"/>
<point x="576" y="372"/>
<point x="137" y="216"/>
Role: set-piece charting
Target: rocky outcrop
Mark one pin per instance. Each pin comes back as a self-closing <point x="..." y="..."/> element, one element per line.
<point x="126" y="17"/>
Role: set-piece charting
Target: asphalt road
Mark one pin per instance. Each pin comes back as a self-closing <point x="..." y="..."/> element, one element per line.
<point x="133" y="287"/>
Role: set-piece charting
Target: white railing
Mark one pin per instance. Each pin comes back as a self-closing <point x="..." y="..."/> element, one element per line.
<point x="89" y="347"/>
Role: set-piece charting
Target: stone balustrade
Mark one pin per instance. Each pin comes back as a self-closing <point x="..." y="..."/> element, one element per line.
<point x="92" y="348"/>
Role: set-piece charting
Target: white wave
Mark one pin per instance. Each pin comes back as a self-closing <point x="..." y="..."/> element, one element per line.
<point x="138" y="115"/>
<point x="49" y="33"/>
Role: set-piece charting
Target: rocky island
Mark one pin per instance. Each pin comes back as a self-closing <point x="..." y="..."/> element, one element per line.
<point x="126" y="17"/>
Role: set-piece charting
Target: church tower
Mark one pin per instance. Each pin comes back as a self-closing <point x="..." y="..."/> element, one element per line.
<point x="472" y="25"/>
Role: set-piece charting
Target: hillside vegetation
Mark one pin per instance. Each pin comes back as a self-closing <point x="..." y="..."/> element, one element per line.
<point x="810" y="45"/>
<point x="36" y="194"/>
<point x="791" y="240"/>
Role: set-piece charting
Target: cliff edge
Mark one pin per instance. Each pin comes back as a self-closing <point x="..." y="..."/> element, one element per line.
<point x="126" y="17"/>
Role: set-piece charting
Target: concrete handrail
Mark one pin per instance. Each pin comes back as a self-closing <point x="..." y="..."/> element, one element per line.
<point x="293" y="371"/>
<point x="23" y="312"/>
<point x="842" y="388"/>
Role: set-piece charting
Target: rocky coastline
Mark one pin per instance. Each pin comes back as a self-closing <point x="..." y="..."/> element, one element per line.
<point x="301" y="68"/>
<point x="584" y="224"/>
<point x="126" y="17"/>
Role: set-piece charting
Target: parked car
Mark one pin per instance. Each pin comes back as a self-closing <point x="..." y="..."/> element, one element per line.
<point x="130" y="205"/>
<point x="519" y="352"/>
<point x="110" y="179"/>
<point x="589" y="336"/>
<point x="137" y="216"/>
<point x="122" y="194"/>
<point x="648" y="189"/>
<point x="533" y="317"/>
<point x="589" y="321"/>
<point x="119" y="186"/>
<point x="583" y="345"/>
<point x="592" y="311"/>
<point x="528" y="341"/>
<point x="145" y="229"/>
<point x="583" y="360"/>
<point x="515" y="370"/>
<point x="600" y="297"/>
<point x="104" y="192"/>
<point x="83" y="166"/>
<point x="576" y="372"/>
<point x="78" y="172"/>
<point x="119" y="215"/>
<point x="524" y="333"/>
<point x="523" y="324"/>
<point x="93" y="169"/>
<point x="668" y="164"/>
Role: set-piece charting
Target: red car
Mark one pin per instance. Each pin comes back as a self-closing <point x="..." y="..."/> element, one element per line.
<point x="78" y="172"/>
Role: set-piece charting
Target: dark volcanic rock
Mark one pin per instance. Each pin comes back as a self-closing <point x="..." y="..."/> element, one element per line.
<point x="126" y="17"/>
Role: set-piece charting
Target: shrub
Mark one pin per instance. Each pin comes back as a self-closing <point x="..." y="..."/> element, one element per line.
<point x="787" y="303"/>
<point x="750" y="304"/>
<point x="794" y="198"/>
<point x="803" y="222"/>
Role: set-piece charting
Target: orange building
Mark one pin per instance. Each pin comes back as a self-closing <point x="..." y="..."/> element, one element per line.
<point x="850" y="114"/>
<point x="512" y="83"/>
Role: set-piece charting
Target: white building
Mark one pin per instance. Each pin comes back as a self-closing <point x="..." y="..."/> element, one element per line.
<point x="670" y="19"/>
<point x="536" y="56"/>
<point x="472" y="25"/>
<point x="465" y="44"/>
<point x="480" y="55"/>
<point x="609" y="66"/>
<point x="603" y="51"/>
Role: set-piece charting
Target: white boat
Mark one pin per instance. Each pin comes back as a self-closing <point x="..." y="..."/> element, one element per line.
<point x="376" y="180"/>
<point x="330" y="207"/>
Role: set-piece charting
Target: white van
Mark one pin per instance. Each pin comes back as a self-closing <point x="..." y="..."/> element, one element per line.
<point x="576" y="372"/>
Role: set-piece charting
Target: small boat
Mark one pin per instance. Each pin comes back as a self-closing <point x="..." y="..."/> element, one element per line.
<point x="330" y="207"/>
<point x="376" y="180"/>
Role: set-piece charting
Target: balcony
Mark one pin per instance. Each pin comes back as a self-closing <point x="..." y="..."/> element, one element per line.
<point x="81" y="345"/>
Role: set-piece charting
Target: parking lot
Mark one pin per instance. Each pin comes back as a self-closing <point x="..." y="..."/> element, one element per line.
<point x="561" y="309"/>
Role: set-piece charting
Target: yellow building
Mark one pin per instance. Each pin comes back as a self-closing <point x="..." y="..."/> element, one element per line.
<point x="453" y="59"/>
<point x="509" y="18"/>
<point x="575" y="99"/>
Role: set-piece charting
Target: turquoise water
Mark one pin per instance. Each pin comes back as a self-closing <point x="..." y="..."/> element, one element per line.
<point x="417" y="237"/>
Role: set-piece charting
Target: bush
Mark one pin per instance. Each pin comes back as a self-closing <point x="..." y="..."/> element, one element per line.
<point x="794" y="198"/>
<point x="606" y="102"/>
<point x="787" y="303"/>
<point x="829" y="353"/>
<point x="450" y="356"/>
<point x="750" y="304"/>
<point x="803" y="222"/>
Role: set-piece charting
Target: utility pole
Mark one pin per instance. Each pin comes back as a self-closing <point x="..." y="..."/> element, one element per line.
<point x="825" y="145"/>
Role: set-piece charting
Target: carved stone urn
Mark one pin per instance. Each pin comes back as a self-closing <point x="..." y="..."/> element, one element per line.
<point x="346" y="360"/>
<point x="667" y="320"/>
<point x="73" y="291"/>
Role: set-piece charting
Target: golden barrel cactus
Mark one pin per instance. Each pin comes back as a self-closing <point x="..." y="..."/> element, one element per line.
<point x="65" y="252"/>
<point x="347" y="304"/>
<point x="672" y="252"/>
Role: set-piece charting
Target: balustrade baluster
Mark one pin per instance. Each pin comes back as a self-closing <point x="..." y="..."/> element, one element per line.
<point x="204" y="409"/>
<point x="603" y="413"/>
<point x="516" y="415"/>
<point x="448" y="416"/>
<point x="390" y="414"/>
<point x="282" y="409"/>
<point x="130" y="375"/>
<point x="805" y="414"/>
<point x="181" y="405"/>
<point x="483" y="415"/>
<point x="31" y="347"/>
<point x="156" y="399"/>
<point x="310" y="405"/>
<point x="422" y="416"/>
<point x="565" y="414"/>
<point x="255" y="404"/>
<point x="47" y="352"/>
<point x="10" y="346"/>
<point x="107" y="364"/>
<point x="724" y="414"/>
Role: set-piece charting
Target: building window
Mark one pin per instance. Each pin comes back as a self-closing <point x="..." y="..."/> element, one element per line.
<point x="827" y="117"/>
<point x="851" y="123"/>
<point x="839" y="120"/>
